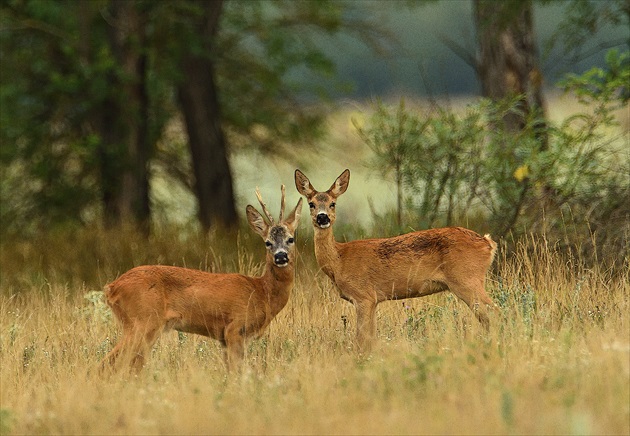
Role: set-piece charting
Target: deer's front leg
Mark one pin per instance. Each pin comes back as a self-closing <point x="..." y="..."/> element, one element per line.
<point x="235" y="346"/>
<point x="366" y="324"/>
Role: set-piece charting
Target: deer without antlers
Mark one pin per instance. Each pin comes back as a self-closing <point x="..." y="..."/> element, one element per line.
<point x="231" y="308"/>
<point x="368" y="272"/>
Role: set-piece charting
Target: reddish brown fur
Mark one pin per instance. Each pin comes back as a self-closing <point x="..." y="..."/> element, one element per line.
<point x="416" y="264"/>
<point x="231" y="308"/>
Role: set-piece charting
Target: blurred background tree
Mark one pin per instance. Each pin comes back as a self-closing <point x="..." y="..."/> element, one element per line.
<point x="90" y="89"/>
<point x="503" y="159"/>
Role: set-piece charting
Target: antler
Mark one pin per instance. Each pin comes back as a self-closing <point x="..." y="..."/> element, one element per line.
<point x="264" y="206"/>
<point x="282" y="204"/>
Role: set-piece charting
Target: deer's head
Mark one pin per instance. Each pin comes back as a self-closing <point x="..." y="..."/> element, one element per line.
<point x="322" y="204"/>
<point x="279" y="238"/>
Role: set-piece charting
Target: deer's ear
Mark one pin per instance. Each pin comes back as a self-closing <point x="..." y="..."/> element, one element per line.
<point x="294" y="218"/>
<point x="256" y="221"/>
<point x="303" y="185"/>
<point x="340" y="185"/>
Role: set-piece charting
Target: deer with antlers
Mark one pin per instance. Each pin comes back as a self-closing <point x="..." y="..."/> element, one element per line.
<point x="231" y="308"/>
<point x="370" y="271"/>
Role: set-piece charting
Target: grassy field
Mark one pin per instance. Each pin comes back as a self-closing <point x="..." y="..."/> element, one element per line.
<point x="557" y="360"/>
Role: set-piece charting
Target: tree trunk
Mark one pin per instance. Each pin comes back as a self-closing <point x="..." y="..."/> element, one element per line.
<point x="507" y="64"/>
<point x="399" y="194"/>
<point x="507" y="67"/>
<point x="125" y="148"/>
<point x="200" y="106"/>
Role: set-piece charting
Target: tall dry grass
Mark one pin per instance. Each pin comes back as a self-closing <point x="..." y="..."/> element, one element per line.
<point x="555" y="362"/>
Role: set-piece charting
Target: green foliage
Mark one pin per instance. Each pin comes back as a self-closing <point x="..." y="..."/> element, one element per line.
<point x="62" y="91"/>
<point x="50" y="88"/>
<point x="392" y="136"/>
<point x="453" y="166"/>
<point x="604" y="87"/>
<point x="268" y="63"/>
<point x="426" y="154"/>
<point x="519" y="298"/>
<point x="95" y="307"/>
<point x="594" y="182"/>
<point x="583" y="19"/>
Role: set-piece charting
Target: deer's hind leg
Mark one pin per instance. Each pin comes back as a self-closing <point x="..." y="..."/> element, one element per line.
<point x="143" y="342"/>
<point x="473" y="293"/>
<point x="133" y="347"/>
<point x="140" y="332"/>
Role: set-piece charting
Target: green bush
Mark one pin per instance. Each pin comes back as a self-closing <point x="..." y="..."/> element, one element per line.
<point x="569" y="181"/>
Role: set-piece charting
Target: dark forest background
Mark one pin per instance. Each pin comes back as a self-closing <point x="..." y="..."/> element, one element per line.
<point x="89" y="88"/>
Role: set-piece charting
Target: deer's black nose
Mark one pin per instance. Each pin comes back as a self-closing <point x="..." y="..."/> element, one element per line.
<point x="281" y="258"/>
<point x="322" y="219"/>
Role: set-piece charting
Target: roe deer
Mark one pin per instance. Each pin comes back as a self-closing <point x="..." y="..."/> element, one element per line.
<point x="231" y="308"/>
<point x="367" y="272"/>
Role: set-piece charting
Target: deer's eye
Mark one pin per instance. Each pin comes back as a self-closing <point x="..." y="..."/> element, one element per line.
<point x="290" y="240"/>
<point x="332" y="205"/>
<point x="268" y="244"/>
<point x="311" y="205"/>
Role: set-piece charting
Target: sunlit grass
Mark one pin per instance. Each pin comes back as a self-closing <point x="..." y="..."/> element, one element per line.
<point x="555" y="362"/>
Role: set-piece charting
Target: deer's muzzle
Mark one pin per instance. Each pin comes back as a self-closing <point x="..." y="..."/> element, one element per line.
<point x="281" y="258"/>
<point x="322" y="220"/>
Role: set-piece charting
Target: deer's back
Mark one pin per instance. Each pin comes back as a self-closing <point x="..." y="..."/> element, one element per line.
<point x="414" y="260"/>
<point x="180" y="289"/>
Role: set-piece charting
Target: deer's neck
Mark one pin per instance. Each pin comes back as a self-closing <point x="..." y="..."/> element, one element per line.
<point x="277" y="283"/>
<point x="326" y="251"/>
